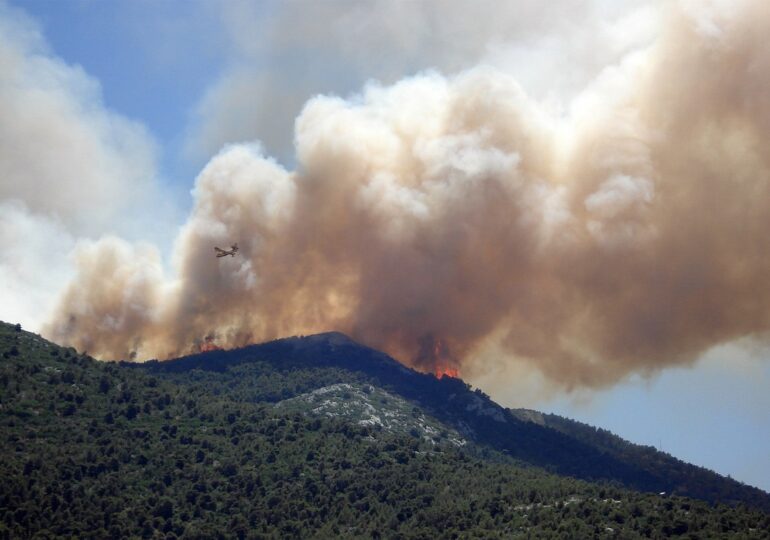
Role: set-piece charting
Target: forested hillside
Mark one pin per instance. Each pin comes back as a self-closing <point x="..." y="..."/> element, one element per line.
<point x="560" y="447"/>
<point x="250" y="450"/>
<point x="697" y="481"/>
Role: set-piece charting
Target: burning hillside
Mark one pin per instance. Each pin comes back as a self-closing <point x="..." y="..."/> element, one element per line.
<point x="442" y="371"/>
<point x="208" y="344"/>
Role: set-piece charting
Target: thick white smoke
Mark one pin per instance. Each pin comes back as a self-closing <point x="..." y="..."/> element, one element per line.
<point x="280" y="55"/>
<point x="626" y="236"/>
<point x="68" y="167"/>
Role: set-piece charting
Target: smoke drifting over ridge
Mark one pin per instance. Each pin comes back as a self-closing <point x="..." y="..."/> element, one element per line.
<point x="629" y="236"/>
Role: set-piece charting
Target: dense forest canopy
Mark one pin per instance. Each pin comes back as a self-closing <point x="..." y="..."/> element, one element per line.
<point x="97" y="450"/>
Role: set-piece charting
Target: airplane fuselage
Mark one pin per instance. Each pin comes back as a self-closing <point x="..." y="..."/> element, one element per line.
<point x="225" y="252"/>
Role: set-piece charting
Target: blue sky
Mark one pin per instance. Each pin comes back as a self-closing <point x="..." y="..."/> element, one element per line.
<point x="153" y="60"/>
<point x="196" y="75"/>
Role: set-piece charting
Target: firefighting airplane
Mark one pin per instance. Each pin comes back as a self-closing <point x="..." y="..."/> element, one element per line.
<point x="225" y="252"/>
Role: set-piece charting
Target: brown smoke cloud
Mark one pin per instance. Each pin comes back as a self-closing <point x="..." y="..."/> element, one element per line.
<point x="627" y="237"/>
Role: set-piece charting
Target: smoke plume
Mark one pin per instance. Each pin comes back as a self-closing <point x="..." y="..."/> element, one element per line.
<point x="68" y="167"/>
<point x="439" y="213"/>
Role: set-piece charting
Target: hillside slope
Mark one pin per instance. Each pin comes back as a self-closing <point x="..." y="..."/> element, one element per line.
<point x="249" y="450"/>
<point x="690" y="479"/>
<point x="557" y="445"/>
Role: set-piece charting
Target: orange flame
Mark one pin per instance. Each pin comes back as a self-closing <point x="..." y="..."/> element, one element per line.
<point x="435" y="357"/>
<point x="209" y="345"/>
<point x="446" y="371"/>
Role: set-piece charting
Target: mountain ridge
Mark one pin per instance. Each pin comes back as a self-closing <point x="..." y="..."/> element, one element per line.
<point x="259" y="446"/>
<point x="556" y="444"/>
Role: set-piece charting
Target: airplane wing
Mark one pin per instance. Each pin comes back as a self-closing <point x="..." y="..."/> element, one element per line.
<point x="223" y="252"/>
